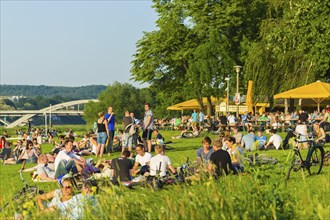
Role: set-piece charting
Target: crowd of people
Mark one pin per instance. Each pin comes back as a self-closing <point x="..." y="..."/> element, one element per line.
<point x="222" y="157"/>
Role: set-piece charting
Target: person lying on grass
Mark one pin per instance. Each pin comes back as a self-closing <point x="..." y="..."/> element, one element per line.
<point x="64" y="200"/>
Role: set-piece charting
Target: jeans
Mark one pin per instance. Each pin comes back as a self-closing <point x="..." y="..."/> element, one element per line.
<point x="64" y="167"/>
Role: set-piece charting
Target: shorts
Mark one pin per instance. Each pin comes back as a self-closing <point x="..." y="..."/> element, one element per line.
<point x="128" y="140"/>
<point x="101" y="137"/>
<point x="147" y="134"/>
<point x="302" y="138"/>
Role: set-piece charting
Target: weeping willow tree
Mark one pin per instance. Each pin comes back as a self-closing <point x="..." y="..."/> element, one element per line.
<point x="293" y="48"/>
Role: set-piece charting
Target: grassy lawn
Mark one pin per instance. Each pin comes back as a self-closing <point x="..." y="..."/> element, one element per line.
<point x="259" y="193"/>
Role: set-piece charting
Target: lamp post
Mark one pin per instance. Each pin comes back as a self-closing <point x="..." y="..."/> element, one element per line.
<point x="227" y="104"/>
<point x="237" y="95"/>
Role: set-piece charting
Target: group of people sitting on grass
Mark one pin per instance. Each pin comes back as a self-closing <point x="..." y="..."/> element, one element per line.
<point x="222" y="157"/>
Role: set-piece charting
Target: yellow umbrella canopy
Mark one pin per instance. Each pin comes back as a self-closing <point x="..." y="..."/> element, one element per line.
<point x="318" y="91"/>
<point x="191" y="104"/>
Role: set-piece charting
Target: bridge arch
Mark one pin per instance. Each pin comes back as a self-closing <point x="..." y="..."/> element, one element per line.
<point x="50" y="109"/>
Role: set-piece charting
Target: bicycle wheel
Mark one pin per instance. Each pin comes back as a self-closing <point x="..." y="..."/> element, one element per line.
<point x="296" y="164"/>
<point x="316" y="160"/>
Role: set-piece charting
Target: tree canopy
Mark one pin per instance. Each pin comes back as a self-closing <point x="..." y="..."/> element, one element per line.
<point x="280" y="44"/>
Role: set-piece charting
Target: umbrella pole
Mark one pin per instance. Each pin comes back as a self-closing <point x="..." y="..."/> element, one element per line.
<point x="286" y="106"/>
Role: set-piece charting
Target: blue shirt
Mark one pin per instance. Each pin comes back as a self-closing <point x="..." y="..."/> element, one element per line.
<point x="262" y="140"/>
<point x="194" y="116"/>
<point x="111" y="123"/>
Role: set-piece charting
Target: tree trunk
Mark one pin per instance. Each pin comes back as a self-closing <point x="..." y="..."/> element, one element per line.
<point x="209" y="109"/>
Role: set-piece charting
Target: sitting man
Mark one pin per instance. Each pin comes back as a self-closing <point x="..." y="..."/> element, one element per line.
<point x="220" y="161"/>
<point x="43" y="171"/>
<point x="204" y="153"/>
<point x="159" y="138"/>
<point x="248" y="140"/>
<point x="142" y="158"/>
<point x="122" y="168"/>
<point x="160" y="162"/>
<point x="275" y="140"/>
<point x="67" y="161"/>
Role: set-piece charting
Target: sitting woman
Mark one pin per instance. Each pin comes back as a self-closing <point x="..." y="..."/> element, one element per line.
<point x="6" y="151"/>
<point x="160" y="163"/>
<point x="235" y="153"/>
<point x="37" y="146"/>
<point x="28" y="155"/>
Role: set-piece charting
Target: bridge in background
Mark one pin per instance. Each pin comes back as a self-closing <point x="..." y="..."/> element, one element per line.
<point x="59" y="109"/>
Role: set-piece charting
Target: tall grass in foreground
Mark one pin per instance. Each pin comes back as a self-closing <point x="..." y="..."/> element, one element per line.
<point x="259" y="195"/>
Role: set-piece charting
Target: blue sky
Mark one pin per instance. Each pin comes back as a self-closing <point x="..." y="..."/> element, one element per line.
<point x="71" y="43"/>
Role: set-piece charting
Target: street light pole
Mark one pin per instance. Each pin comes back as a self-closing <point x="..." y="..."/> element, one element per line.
<point x="237" y="96"/>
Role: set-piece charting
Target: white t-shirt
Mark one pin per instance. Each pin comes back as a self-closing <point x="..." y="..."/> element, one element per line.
<point x="143" y="160"/>
<point x="63" y="155"/>
<point x="231" y="119"/>
<point x="301" y="129"/>
<point x="276" y="140"/>
<point x="155" y="162"/>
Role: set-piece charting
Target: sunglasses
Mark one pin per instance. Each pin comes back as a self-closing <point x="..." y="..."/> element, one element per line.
<point x="67" y="187"/>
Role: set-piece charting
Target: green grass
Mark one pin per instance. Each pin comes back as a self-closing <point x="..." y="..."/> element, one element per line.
<point x="260" y="193"/>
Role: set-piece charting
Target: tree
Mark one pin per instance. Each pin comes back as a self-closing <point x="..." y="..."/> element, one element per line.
<point x="196" y="45"/>
<point x="122" y="97"/>
<point x="293" y="48"/>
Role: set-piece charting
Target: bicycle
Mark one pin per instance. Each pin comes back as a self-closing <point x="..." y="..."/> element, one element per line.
<point x="257" y="159"/>
<point x="314" y="159"/>
<point x="25" y="194"/>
